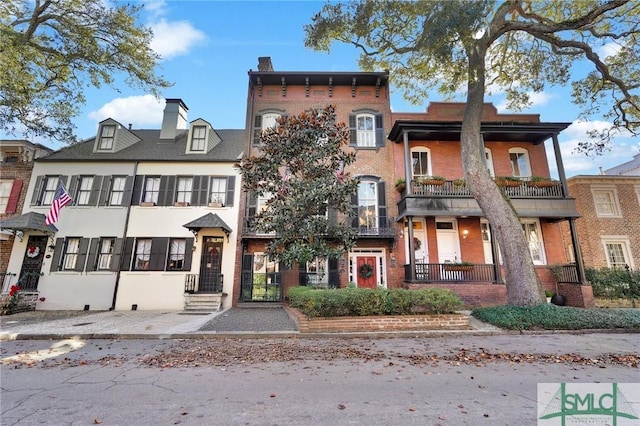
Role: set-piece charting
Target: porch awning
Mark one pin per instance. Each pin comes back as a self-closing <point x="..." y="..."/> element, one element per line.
<point x="31" y="221"/>
<point x="209" y="220"/>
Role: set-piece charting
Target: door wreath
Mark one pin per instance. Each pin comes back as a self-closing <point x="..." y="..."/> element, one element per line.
<point x="33" y="251"/>
<point x="365" y="270"/>
<point x="416" y="243"/>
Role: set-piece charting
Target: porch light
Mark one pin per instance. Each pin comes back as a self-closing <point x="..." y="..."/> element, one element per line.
<point x="465" y="233"/>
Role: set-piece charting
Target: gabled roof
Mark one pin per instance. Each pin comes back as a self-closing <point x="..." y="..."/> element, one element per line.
<point x="150" y="148"/>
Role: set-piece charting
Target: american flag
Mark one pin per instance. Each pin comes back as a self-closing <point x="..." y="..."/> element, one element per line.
<point x="60" y="199"/>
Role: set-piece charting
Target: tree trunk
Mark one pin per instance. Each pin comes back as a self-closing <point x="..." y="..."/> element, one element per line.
<point x="523" y="284"/>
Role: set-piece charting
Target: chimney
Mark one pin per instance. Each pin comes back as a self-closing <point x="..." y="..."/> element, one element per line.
<point x="175" y="118"/>
<point x="264" y="64"/>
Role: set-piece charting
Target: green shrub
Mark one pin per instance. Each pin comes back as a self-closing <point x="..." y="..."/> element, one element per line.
<point x="368" y="302"/>
<point x="552" y="317"/>
<point x="614" y="283"/>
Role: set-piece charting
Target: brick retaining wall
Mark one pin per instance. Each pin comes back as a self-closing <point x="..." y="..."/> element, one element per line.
<point x="378" y="323"/>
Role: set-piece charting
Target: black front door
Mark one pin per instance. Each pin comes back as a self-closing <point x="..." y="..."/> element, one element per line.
<point x="32" y="263"/>
<point x="211" y="265"/>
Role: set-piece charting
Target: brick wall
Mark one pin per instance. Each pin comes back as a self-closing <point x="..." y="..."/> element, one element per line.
<point x="22" y="171"/>
<point x="590" y="227"/>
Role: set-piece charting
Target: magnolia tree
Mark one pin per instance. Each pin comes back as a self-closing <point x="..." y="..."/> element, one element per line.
<point x="519" y="47"/>
<point x="301" y="172"/>
<point x="52" y="50"/>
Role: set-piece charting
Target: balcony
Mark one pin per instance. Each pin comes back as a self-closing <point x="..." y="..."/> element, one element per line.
<point x="449" y="199"/>
<point x="450" y="273"/>
<point x="388" y="231"/>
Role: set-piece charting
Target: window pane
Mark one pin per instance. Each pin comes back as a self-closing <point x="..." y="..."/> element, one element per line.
<point x="420" y="162"/>
<point x="5" y="191"/>
<point x="71" y="253"/>
<point x="106" y="252"/>
<point x="183" y="194"/>
<point x="152" y="188"/>
<point x="50" y="187"/>
<point x="218" y="190"/>
<point x="198" y="138"/>
<point x="367" y="205"/>
<point x="615" y="254"/>
<point x="520" y="164"/>
<point x="176" y="254"/>
<point x="117" y="191"/>
<point x="365" y="130"/>
<point x="605" y="203"/>
<point x="269" y="120"/>
<point x="143" y="254"/>
<point x="84" y="190"/>
<point x="106" y="137"/>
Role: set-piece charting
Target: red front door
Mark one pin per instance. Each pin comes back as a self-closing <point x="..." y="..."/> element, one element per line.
<point x="367" y="274"/>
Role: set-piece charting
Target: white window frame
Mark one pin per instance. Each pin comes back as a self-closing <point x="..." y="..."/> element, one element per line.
<point x="218" y="190"/>
<point x="198" y="139"/>
<point x="527" y="162"/>
<point x="5" y="192"/>
<point x="85" y="184"/>
<point x="116" y="193"/>
<point x="71" y="251"/>
<point x="364" y="220"/>
<point x="420" y="150"/>
<point x="142" y="254"/>
<point x="177" y="254"/>
<point x="365" y="137"/>
<point x="614" y="202"/>
<point x="184" y="186"/>
<point x="49" y="190"/>
<point x="107" y="137"/>
<point x="539" y="245"/>
<point x="625" y="244"/>
<point x="105" y="253"/>
<point x="488" y="158"/>
<point x="151" y="189"/>
<point x="269" y="120"/>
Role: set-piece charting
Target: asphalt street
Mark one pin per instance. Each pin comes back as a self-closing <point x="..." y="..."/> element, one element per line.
<point x="451" y="380"/>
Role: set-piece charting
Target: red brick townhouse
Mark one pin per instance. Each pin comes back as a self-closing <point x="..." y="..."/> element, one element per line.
<point x="609" y="206"/>
<point x="361" y="100"/>
<point x="16" y="158"/>
<point x="445" y="239"/>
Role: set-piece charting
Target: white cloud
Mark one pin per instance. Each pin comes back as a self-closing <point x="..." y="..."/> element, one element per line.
<point x="155" y="8"/>
<point x="609" y="49"/>
<point x="140" y="111"/>
<point x="174" y="38"/>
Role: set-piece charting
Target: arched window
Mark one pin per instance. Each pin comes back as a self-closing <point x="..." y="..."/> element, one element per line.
<point x="520" y="166"/>
<point x="365" y="129"/>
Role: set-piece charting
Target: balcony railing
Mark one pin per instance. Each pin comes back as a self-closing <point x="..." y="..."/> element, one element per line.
<point x="450" y="273"/>
<point x="522" y="189"/>
<point x="566" y="273"/>
<point x="389" y="231"/>
<point x="193" y="285"/>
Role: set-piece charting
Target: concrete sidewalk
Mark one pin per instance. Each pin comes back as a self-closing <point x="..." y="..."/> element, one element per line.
<point x="175" y="324"/>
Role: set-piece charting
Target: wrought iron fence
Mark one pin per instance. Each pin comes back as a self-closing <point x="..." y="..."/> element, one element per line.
<point x="316" y="280"/>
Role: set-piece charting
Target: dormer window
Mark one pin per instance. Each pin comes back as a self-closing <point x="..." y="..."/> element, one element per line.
<point x="199" y="138"/>
<point x="107" y="135"/>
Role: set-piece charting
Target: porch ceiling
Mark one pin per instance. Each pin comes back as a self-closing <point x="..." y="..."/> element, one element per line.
<point x="420" y="130"/>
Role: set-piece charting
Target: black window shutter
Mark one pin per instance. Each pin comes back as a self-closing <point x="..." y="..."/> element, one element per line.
<point x="195" y="191"/>
<point x="188" y="254"/>
<point x="354" y="207"/>
<point x="128" y="191"/>
<point x="379" y="130"/>
<point x="231" y="187"/>
<point x="332" y="216"/>
<point x="171" y="190"/>
<point x="117" y="255"/>
<point x="63" y="179"/>
<point x="73" y="187"/>
<point x="382" y="206"/>
<point x="95" y="190"/>
<point x="257" y="129"/>
<point x="37" y="191"/>
<point x="127" y="253"/>
<point x="137" y="191"/>
<point x="92" y="260"/>
<point x="158" y="258"/>
<point x="203" y="198"/>
<point x="104" y="190"/>
<point x="82" y="255"/>
<point x="353" y="138"/>
<point x="57" y="252"/>
<point x="163" y="191"/>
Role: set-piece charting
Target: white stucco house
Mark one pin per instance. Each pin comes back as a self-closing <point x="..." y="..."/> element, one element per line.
<point x="152" y="224"/>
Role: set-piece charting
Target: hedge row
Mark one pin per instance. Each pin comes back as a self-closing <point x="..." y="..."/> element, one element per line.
<point x="367" y="302"/>
<point x="552" y="317"/>
<point x="614" y="283"/>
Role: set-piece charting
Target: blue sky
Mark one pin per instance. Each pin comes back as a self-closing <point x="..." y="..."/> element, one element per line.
<point x="209" y="46"/>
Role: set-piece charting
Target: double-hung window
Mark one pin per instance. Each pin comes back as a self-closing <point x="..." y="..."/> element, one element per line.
<point x="5" y="192"/>
<point x="49" y="190"/>
<point x="84" y="190"/>
<point x="177" y="252"/>
<point x="367" y="205"/>
<point x="117" y="190"/>
<point x="421" y="164"/>
<point x="71" y="250"/>
<point x="107" y="136"/>
<point x="606" y="202"/>
<point x="198" y="138"/>
<point x="105" y="253"/>
<point x="365" y="127"/>
<point x="520" y="166"/>
<point x="151" y="189"/>
<point x="183" y="191"/>
<point x="142" y="254"/>
<point x="617" y="251"/>
<point x="218" y="190"/>
<point x="533" y="236"/>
